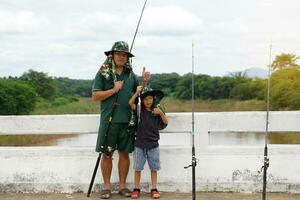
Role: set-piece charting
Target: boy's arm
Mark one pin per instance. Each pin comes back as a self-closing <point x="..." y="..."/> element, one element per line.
<point x="136" y="94"/>
<point x="164" y="118"/>
<point x="158" y="111"/>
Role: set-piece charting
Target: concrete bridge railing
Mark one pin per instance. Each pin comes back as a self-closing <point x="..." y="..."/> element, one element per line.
<point x="220" y="167"/>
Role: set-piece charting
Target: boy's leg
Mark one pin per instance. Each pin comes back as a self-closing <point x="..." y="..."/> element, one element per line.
<point x="154" y="165"/>
<point x="136" y="193"/>
<point x="137" y="179"/>
<point x="154" y="192"/>
<point x="153" y="159"/>
<point x="154" y="179"/>
<point x="139" y="162"/>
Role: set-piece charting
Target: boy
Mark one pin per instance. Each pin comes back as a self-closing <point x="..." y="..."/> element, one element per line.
<point x="151" y="119"/>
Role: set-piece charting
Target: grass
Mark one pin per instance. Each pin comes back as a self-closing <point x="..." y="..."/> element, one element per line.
<point x="30" y="140"/>
<point x="83" y="106"/>
<point x="222" y="105"/>
<point x="86" y="106"/>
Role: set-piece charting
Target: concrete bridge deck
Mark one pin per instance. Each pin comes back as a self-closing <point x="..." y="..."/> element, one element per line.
<point x="164" y="195"/>
<point x="220" y="168"/>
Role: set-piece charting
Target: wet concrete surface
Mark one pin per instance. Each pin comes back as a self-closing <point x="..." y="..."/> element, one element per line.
<point x="164" y="195"/>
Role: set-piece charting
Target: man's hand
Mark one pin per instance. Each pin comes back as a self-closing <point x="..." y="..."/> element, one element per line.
<point x="118" y="86"/>
<point x="146" y="76"/>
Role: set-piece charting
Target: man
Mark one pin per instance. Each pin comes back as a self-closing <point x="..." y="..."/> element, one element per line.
<point x="114" y="85"/>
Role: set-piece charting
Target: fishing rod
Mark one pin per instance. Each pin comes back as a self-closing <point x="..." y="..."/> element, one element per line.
<point x="194" y="160"/>
<point x="110" y="118"/>
<point x="143" y="84"/>
<point x="266" y="158"/>
<point x="137" y="27"/>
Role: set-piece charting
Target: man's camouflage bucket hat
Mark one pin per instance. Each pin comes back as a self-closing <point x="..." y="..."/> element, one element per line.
<point x="120" y="46"/>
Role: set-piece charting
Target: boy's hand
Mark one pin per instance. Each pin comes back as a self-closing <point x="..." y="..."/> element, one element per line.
<point x="139" y="89"/>
<point x="157" y="111"/>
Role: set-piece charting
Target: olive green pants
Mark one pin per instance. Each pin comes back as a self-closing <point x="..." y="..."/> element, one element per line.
<point x="117" y="138"/>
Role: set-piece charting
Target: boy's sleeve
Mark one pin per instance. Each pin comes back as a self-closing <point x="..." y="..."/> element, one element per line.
<point x="161" y="124"/>
<point x="98" y="82"/>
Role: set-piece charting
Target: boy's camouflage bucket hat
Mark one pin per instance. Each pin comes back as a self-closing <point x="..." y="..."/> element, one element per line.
<point x="147" y="91"/>
<point x="157" y="94"/>
<point x="120" y="46"/>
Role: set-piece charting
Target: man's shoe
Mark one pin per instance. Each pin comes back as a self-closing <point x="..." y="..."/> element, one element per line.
<point x="105" y="194"/>
<point x="125" y="192"/>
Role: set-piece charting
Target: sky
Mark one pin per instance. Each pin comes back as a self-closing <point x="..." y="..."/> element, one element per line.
<point x="67" y="38"/>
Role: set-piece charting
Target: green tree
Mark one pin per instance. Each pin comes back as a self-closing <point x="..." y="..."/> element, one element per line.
<point x="285" y="89"/>
<point x="16" y="97"/>
<point x="73" y="87"/>
<point x="183" y="87"/>
<point x="240" y="86"/>
<point x="201" y="86"/>
<point x="214" y="87"/>
<point x="44" y="85"/>
<point x="207" y="87"/>
<point x="165" y="82"/>
<point x="285" y="60"/>
<point x="252" y="89"/>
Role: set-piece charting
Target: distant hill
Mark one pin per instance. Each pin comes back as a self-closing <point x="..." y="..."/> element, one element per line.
<point x="256" y="73"/>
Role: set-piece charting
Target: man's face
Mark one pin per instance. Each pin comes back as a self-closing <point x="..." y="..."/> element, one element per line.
<point x="148" y="101"/>
<point x="120" y="58"/>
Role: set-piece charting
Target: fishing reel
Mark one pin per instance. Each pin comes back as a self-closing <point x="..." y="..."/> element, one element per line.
<point x="107" y="151"/>
<point x="194" y="163"/>
<point x="266" y="165"/>
<point x="132" y="125"/>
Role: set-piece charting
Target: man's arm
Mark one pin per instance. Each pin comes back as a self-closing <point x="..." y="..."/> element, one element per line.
<point x="102" y="95"/>
<point x="145" y="77"/>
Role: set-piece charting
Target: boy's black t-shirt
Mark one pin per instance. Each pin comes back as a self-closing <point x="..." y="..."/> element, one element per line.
<point x="147" y="132"/>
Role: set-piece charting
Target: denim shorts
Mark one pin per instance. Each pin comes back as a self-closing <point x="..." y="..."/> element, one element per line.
<point x="151" y="155"/>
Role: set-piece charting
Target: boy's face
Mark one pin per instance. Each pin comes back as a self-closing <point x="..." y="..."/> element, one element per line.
<point x="148" y="101"/>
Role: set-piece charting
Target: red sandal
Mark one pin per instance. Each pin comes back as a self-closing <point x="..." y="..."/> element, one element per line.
<point x="155" y="194"/>
<point x="136" y="193"/>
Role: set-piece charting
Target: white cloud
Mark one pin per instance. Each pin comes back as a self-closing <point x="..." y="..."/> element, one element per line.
<point x="69" y="37"/>
<point x="234" y="26"/>
<point x="169" y="20"/>
<point x="99" y="21"/>
<point x="19" y="22"/>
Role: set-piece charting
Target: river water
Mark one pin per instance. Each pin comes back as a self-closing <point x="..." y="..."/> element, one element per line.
<point x="215" y="138"/>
